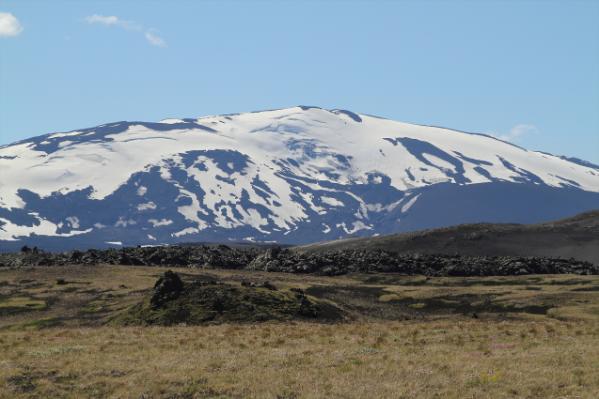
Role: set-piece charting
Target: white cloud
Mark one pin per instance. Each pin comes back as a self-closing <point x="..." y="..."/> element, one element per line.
<point x="155" y="40"/>
<point x="9" y="25"/>
<point x="112" y="20"/>
<point x="518" y="132"/>
<point x="101" y="19"/>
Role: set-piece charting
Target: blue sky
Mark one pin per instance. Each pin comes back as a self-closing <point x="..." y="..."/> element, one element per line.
<point x="526" y="71"/>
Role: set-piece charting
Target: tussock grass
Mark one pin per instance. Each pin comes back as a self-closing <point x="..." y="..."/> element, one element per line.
<point x="406" y="337"/>
<point x="483" y="359"/>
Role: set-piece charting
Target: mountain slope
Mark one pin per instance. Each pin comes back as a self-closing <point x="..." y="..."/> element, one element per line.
<point x="293" y="175"/>
<point x="576" y="237"/>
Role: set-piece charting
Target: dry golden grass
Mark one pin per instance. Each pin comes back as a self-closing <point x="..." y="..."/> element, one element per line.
<point x="65" y="351"/>
<point x="354" y="360"/>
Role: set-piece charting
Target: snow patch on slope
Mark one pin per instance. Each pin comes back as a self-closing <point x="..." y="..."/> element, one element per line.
<point x="269" y="171"/>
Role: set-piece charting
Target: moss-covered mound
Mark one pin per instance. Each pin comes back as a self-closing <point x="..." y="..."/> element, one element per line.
<point x="202" y="302"/>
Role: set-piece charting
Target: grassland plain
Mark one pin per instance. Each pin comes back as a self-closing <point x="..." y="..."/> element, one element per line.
<point x="402" y="336"/>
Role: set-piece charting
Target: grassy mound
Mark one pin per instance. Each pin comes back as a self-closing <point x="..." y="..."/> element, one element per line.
<point x="212" y="302"/>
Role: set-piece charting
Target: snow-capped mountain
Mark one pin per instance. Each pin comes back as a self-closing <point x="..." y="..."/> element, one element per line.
<point x="294" y="175"/>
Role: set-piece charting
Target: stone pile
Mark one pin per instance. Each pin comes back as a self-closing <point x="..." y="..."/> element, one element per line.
<point x="220" y="256"/>
<point x="376" y="261"/>
<point x="330" y="263"/>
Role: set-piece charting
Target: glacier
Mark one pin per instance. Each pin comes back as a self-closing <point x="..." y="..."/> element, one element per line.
<point x="293" y="175"/>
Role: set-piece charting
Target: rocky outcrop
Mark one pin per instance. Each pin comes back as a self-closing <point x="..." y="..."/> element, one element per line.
<point x="364" y="261"/>
<point x="167" y="287"/>
<point x="329" y="263"/>
<point x="202" y="256"/>
<point x="211" y="301"/>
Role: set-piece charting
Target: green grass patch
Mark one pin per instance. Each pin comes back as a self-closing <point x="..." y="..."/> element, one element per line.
<point x="41" y="324"/>
<point x="19" y="304"/>
<point x="389" y="298"/>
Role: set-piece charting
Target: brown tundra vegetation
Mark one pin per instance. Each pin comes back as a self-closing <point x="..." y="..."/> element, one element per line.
<point x="400" y="337"/>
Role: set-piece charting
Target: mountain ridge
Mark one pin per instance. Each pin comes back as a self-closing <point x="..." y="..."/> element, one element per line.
<point x="292" y="175"/>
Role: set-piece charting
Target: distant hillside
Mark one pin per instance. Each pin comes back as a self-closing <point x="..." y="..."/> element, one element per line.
<point x="576" y="237"/>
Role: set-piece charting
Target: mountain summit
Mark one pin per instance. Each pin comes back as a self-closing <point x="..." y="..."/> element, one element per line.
<point x="294" y="175"/>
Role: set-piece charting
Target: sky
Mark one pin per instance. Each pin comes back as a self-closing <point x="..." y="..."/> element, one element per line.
<point x="525" y="71"/>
